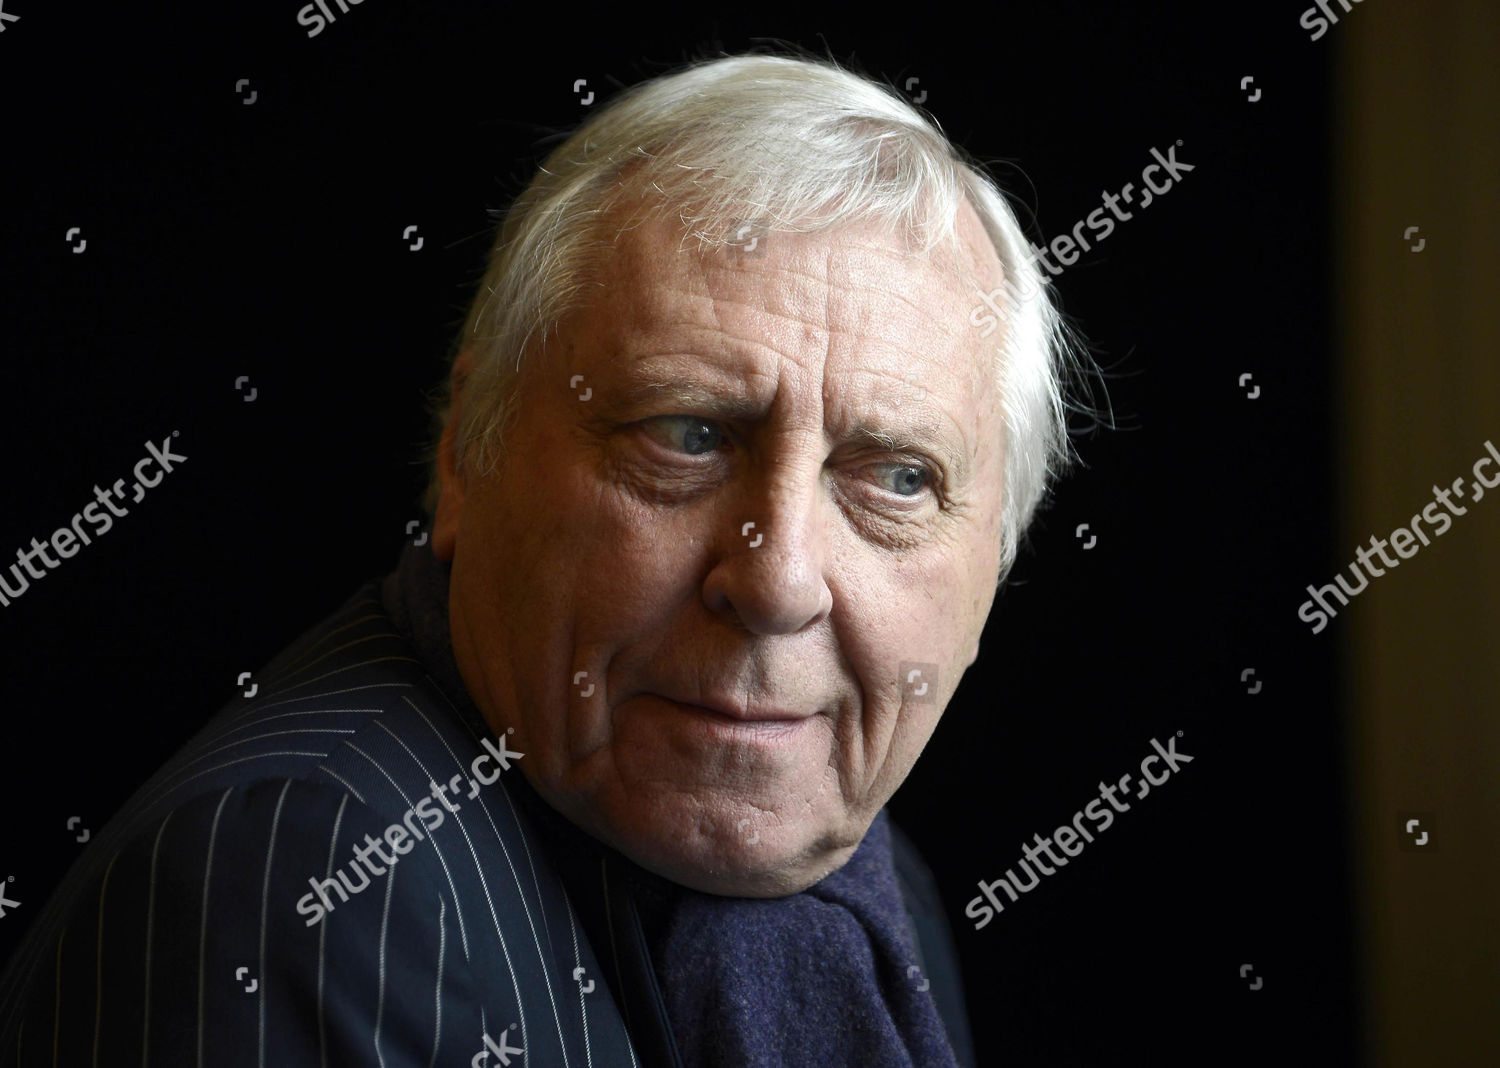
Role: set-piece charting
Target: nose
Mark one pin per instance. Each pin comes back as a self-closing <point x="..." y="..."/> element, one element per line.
<point x="771" y="571"/>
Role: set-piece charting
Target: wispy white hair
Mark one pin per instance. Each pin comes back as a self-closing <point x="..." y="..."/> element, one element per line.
<point x="782" y="143"/>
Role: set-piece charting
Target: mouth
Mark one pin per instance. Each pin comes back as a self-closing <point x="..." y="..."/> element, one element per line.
<point x="766" y="727"/>
<point x="735" y="712"/>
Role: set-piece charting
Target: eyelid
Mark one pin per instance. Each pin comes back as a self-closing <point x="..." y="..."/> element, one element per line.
<point x="934" y="470"/>
<point x="924" y="463"/>
<point x="717" y="424"/>
<point x="931" y="487"/>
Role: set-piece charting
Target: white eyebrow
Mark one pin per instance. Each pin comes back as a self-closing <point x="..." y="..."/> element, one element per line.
<point x="697" y="398"/>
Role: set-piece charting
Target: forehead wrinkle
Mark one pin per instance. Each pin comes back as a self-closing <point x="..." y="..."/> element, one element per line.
<point x="938" y="279"/>
<point x="704" y="271"/>
<point x="920" y="310"/>
<point x="902" y="441"/>
<point x="648" y="382"/>
<point x="787" y="294"/>
<point x="924" y="433"/>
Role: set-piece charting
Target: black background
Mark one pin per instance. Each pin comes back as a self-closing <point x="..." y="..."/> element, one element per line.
<point x="265" y="240"/>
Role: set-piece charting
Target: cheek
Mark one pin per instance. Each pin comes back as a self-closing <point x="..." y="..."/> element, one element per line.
<point x="904" y="641"/>
<point x="930" y="608"/>
<point x="928" y="595"/>
<point x="634" y="561"/>
<point x="572" y="553"/>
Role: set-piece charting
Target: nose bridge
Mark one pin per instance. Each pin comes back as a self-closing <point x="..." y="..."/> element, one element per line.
<point x="784" y="546"/>
<point x="785" y="497"/>
<point x="773" y="576"/>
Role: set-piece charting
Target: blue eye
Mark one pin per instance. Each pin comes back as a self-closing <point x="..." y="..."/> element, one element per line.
<point x="909" y="480"/>
<point x="700" y="437"/>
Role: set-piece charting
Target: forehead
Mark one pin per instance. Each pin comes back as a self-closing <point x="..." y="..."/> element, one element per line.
<point x="847" y="329"/>
<point x="857" y="291"/>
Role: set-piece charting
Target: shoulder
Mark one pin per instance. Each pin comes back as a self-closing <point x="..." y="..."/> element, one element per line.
<point x="197" y="938"/>
<point x="334" y="707"/>
<point x="229" y="885"/>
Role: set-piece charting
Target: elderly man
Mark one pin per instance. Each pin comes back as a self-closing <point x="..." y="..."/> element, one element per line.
<point x="732" y="461"/>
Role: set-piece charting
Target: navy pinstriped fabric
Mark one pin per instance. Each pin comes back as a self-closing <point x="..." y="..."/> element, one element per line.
<point x="138" y="957"/>
<point x="501" y="936"/>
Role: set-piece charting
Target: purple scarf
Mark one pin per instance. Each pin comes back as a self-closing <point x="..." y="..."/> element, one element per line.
<point x="817" y="978"/>
<point x="822" y="978"/>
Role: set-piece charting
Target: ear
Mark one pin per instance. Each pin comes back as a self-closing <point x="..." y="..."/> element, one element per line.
<point x="451" y="501"/>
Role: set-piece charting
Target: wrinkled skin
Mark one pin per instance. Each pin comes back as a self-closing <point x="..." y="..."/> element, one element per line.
<point x="610" y="539"/>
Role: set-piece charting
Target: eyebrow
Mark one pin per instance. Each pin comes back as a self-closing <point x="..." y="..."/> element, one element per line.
<point x="926" y="436"/>
<point x="690" y="395"/>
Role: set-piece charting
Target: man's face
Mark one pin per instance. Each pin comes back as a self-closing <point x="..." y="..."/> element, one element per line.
<point x="687" y="513"/>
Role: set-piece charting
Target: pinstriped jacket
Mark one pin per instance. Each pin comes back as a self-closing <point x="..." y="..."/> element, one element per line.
<point x="224" y="916"/>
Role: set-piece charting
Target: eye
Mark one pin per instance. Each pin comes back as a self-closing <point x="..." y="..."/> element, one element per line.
<point x="908" y="479"/>
<point x="685" y="433"/>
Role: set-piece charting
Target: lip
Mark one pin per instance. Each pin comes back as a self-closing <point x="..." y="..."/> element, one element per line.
<point x="736" y="712"/>
<point x="711" y="724"/>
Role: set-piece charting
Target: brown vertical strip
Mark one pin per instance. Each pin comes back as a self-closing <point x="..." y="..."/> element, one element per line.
<point x="1419" y="128"/>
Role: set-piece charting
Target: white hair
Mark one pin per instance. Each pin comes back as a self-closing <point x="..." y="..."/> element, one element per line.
<point x="784" y="144"/>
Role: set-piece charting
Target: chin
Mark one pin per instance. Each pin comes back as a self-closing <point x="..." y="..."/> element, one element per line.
<point x="709" y="848"/>
<point x="733" y="862"/>
<point x="744" y="871"/>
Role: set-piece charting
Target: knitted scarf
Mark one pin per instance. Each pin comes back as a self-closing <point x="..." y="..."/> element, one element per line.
<point x="819" y="978"/>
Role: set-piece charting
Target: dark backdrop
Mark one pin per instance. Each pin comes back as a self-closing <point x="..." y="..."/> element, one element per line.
<point x="265" y="240"/>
